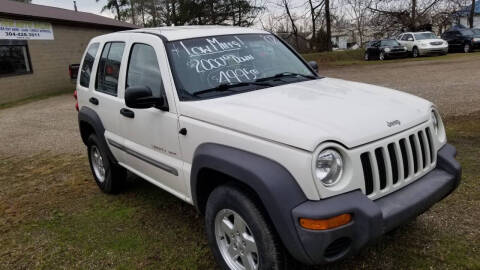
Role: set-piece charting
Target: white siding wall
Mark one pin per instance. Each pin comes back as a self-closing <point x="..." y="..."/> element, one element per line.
<point x="476" y="21"/>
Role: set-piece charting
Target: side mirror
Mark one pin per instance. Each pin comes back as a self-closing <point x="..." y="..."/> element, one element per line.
<point x="140" y="97"/>
<point x="314" y="65"/>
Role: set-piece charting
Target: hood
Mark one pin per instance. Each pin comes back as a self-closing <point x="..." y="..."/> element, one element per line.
<point x="305" y="114"/>
<point x="432" y="40"/>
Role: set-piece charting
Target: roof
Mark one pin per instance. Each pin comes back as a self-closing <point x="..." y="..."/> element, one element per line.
<point x="195" y="31"/>
<point x="26" y="11"/>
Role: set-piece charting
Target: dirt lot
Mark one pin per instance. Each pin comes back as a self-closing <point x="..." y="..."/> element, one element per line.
<point x="452" y="84"/>
<point x="53" y="216"/>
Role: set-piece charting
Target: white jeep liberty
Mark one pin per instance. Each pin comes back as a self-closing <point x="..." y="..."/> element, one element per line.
<point x="281" y="162"/>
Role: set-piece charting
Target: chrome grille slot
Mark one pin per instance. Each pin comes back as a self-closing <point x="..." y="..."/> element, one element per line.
<point x="391" y="164"/>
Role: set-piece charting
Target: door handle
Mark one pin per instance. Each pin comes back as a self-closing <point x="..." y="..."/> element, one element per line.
<point x="127" y="113"/>
<point x="93" y="100"/>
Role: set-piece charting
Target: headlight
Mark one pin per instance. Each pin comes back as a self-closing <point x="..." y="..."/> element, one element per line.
<point x="438" y="127"/>
<point x="405" y="48"/>
<point x="329" y="167"/>
<point x="386" y="49"/>
<point x="476" y="39"/>
<point x="435" y="122"/>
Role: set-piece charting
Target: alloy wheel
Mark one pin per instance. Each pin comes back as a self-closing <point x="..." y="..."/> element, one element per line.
<point x="235" y="241"/>
<point x="97" y="163"/>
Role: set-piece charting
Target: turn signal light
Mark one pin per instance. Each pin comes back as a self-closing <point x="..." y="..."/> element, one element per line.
<point x="325" y="224"/>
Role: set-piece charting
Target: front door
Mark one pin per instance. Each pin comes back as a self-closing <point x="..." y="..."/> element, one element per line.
<point x="150" y="135"/>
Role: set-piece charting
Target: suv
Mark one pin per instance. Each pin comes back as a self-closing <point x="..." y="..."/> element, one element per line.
<point x="423" y="43"/>
<point x="383" y="49"/>
<point x="278" y="159"/>
<point x="463" y="39"/>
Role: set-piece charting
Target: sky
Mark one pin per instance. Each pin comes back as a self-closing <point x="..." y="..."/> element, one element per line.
<point x="83" y="5"/>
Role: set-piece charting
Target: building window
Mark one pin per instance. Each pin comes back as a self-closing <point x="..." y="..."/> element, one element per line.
<point x="14" y="58"/>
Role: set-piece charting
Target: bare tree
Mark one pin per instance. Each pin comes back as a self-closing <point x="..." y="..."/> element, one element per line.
<point x="360" y="13"/>
<point x="315" y="8"/>
<point x="328" y="20"/>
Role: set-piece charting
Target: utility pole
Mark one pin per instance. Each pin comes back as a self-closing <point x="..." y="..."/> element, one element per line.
<point x="75" y="5"/>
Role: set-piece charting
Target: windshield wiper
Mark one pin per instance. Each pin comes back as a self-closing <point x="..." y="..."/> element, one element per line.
<point x="228" y="87"/>
<point x="286" y="74"/>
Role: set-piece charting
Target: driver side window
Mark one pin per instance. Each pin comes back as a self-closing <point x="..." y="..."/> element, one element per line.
<point x="143" y="69"/>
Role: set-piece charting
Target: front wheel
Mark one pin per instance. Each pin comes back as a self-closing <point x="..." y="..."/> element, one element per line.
<point x="381" y="56"/>
<point x="239" y="234"/>
<point x="415" y="52"/>
<point x="467" y="48"/>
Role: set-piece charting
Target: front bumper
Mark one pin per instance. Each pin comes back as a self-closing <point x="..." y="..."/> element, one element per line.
<point x="396" y="54"/>
<point x="433" y="50"/>
<point x="371" y="219"/>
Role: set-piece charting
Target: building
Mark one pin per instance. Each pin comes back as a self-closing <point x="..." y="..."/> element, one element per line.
<point x="464" y="13"/>
<point x="38" y="43"/>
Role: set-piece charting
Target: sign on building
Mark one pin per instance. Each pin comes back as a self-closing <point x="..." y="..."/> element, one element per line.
<point x="18" y="29"/>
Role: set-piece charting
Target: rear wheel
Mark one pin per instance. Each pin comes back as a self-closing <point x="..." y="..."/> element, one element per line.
<point x="109" y="176"/>
<point x="239" y="234"/>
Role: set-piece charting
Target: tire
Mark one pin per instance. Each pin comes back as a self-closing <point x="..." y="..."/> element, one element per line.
<point x="381" y="56"/>
<point x="366" y="57"/>
<point x="236" y="211"/>
<point x="467" y="48"/>
<point x="109" y="176"/>
<point x="415" y="52"/>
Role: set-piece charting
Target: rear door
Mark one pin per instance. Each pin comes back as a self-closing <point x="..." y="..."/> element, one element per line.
<point x="104" y="97"/>
<point x="150" y="135"/>
<point x="407" y="41"/>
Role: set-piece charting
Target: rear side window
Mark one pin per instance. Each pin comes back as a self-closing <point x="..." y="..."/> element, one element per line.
<point x="88" y="65"/>
<point x="143" y="69"/>
<point x="109" y="68"/>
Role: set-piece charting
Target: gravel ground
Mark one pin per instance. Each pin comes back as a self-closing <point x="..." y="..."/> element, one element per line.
<point x="453" y="84"/>
<point x="50" y="125"/>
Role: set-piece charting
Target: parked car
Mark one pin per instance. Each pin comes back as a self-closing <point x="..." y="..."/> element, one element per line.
<point x="462" y="39"/>
<point x="277" y="158"/>
<point x="423" y="43"/>
<point x="383" y="49"/>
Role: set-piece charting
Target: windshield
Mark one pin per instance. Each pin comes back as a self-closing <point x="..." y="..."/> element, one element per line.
<point x="390" y="42"/>
<point x="476" y="31"/>
<point x="208" y="64"/>
<point x="466" y="32"/>
<point x="421" y="36"/>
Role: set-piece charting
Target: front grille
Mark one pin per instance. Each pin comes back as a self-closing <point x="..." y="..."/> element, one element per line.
<point x="436" y="43"/>
<point x="397" y="162"/>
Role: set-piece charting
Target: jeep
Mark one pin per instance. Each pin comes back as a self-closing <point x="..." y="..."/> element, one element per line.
<point x="286" y="166"/>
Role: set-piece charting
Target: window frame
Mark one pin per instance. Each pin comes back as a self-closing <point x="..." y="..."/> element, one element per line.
<point x="93" y="64"/>
<point x="163" y="91"/>
<point x="5" y="43"/>
<point x="104" y="45"/>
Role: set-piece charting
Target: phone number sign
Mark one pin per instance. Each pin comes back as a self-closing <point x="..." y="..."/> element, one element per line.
<point x="18" y="29"/>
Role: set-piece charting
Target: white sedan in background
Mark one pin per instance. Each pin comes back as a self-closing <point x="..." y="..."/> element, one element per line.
<point x="423" y="43"/>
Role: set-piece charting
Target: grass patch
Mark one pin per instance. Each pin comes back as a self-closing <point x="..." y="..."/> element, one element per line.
<point x="52" y="215"/>
<point x="355" y="57"/>
<point x="34" y="98"/>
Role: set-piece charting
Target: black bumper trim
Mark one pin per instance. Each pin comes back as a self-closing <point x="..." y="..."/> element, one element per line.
<point x="371" y="219"/>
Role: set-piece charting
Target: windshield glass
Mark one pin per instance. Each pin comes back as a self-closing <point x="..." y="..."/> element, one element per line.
<point x="421" y="36"/>
<point x="390" y="42"/>
<point x="208" y="63"/>
<point x="476" y="31"/>
<point x="466" y="32"/>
